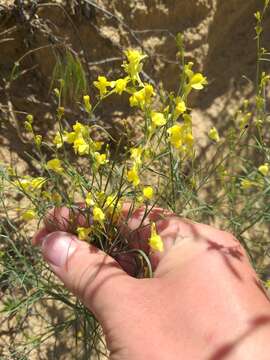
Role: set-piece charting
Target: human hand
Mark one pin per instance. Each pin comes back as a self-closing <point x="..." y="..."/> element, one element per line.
<point x="204" y="302"/>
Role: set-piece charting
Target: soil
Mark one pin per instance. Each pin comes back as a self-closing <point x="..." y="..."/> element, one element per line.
<point x="219" y="39"/>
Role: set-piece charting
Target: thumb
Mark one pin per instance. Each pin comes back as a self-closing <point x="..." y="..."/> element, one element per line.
<point x="93" y="276"/>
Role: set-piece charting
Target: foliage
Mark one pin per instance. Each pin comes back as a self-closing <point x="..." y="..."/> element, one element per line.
<point x="162" y="167"/>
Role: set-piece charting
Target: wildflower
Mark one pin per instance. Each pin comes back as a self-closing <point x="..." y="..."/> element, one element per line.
<point x="55" y="165"/>
<point x="89" y="200"/>
<point x="102" y="83"/>
<point x="133" y="65"/>
<point x="58" y="140"/>
<point x="180" y="107"/>
<point x="214" y="135"/>
<point x="87" y="104"/>
<point x="244" y="120"/>
<point x="100" y="159"/>
<point x="188" y="69"/>
<point x="80" y="129"/>
<point x="80" y="146"/>
<point x="97" y="145"/>
<point x="155" y="240"/>
<point x="246" y="184"/>
<point x="28" y="126"/>
<point x="38" y="140"/>
<point x="142" y="97"/>
<point x="60" y="111"/>
<point x="136" y="155"/>
<point x="83" y="232"/>
<point x="267" y="284"/>
<point x="30" y="118"/>
<point x="158" y="119"/>
<point x="120" y="85"/>
<point x="37" y="183"/>
<point x="137" y="99"/>
<point x="112" y="203"/>
<point x="28" y="184"/>
<point x="28" y="215"/>
<point x="24" y="184"/>
<point x="197" y="81"/>
<point x="98" y="214"/>
<point x="133" y="177"/>
<point x="69" y="137"/>
<point x="189" y="139"/>
<point x="56" y="92"/>
<point x="148" y="192"/>
<point x="264" y="169"/>
<point x="176" y="135"/>
<point x="148" y="92"/>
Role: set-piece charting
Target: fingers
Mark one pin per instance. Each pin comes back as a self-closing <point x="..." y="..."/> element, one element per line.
<point x="89" y="273"/>
<point x="63" y="219"/>
<point x="134" y="225"/>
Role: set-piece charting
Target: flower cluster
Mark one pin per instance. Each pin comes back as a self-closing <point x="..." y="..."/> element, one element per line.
<point x="103" y="186"/>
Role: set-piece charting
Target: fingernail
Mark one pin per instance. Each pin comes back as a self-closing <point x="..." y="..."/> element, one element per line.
<point x="57" y="247"/>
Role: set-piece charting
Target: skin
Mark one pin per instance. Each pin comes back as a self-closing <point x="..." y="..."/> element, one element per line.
<point x="204" y="302"/>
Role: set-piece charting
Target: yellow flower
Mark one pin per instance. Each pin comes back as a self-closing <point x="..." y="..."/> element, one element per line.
<point x="60" y="111"/>
<point x="136" y="155"/>
<point x="176" y="135"/>
<point x="188" y="69"/>
<point x="58" y="140"/>
<point x="133" y="177"/>
<point x="120" y="85"/>
<point x="189" y="139"/>
<point x="37" y="183"/>
<point x="213" y="134"/>
<point x="70" y="137"/>
<point x="81" y="147"/>
<point x="148" y="92"/>
<point x="246" y="184"/>
<point x="148" y="192"/>
<point x="55" y="165"/>
<point x="38" y="140"/>
<point x="29" y="215"/>
<point x="28" y="126"/>
<point x="137" y="99"/>
<point x="102" y="83"/>
<point x="97" y="145"/>
<point x="100" y="159"/>
<point x="142" y="97"/>
<point x="158" y="119"/>
<point x="87" y="104"/>
<point x="180" y="107"/>
<point x="98" y="214"/>
<point x="155" y="240"/>
<point x="267" y="284"/>
<point x="244" y="120"/>
<point x="197" y="81"/>
<point x="83" y="233"/>
<point x="89" y="200"/>
<point x="264" y="169"/>
<point x="30" y="118"/>
<point x="133" y="65"/>
<point x="56" y="92"/>
<point x="24" y="184"/>
<point x="80" y="129"/>
<point x="113" y="204"/>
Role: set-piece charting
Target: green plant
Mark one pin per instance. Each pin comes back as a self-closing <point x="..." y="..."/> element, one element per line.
<point x="163" y="166"/>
